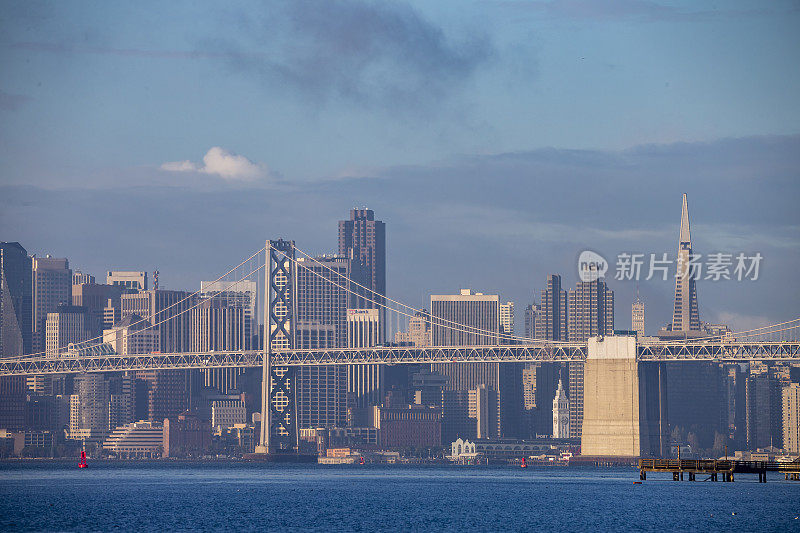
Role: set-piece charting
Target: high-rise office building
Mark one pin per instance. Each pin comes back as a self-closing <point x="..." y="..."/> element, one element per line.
<point x="68" y="324"/>
<point x="465" y="319"/>
<point x="551" y="317"/>
<point x="685" y="314"/>
<point x="16" y="297"/>
<point x="322" y="303"/>
<point x="419" y="329"/>
<point x="529" y="386"/>
<point x="364" y="239"/>
<point x="531" y="310"/>
<point x="96" y="298"/>
<point x="364" y="381"/>
<point x="132" y="335"/>
<point x="161" y="394"/>
<point x="81" y="278"/>
<point x="637" y="317"/>
<point x="763" y="398"/>
<point x="507" y="319"/>
<point x="121" y="400"/>
<point x="591" y="313"/>
<point x="89" y="405"/>
<point x="128" y="279"/>
<point x="168" y="312"/>
<point x="473" y="319"/>
<point x="790" y="398"/>
<point x="221" y="323"/>
<point x="235" y="294"/>
<point x="52" y="286"/>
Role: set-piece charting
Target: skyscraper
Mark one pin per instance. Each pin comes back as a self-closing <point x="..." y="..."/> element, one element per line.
<point x="507" y="318"/>
<point x="591" y="313"/>
<point x="364" y="239"/>
<point x="15" y="328"/>
<point x="480" y="314"/>
<point x="790" y="398"/>
<point x="685" y="314"/>
<point x="51" y="285"/>
<point x="637" y="317"/>
<point x="322" y="303"/>
<point x="551" y="317"/>
<point x="68" y="324"/>
<point x="128" y="279"/>
<point x="15" y="300"/>
<point x="167" y="310"/>
<point x="530" y="320"/>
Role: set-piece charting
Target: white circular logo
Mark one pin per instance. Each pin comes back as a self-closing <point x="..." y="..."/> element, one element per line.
<point x="591" y="266"/>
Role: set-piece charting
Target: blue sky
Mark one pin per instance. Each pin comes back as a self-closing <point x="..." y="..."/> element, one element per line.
<point x="509" y="134"/>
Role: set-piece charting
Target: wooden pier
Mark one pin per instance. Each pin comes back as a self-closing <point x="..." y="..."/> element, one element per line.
<point x="713" y="468"/>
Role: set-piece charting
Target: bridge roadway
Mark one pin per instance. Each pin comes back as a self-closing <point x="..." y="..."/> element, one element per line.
<point x="665" y="352"/>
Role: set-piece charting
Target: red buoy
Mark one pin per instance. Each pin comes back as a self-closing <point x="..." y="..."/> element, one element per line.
<point x="82" y="463"/>
<point x="523" y="464"/>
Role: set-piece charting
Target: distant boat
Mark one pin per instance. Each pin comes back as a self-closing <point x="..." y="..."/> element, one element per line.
<point x="82" y="463"/>
<point x="523" y="464"/>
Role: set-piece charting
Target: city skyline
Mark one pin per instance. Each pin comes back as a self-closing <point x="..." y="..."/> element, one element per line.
<point x="545" y="106"/>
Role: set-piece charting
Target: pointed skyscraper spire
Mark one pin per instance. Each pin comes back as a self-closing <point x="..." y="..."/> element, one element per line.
<point x="685" y="235"/>
<point x="685" y="315"/>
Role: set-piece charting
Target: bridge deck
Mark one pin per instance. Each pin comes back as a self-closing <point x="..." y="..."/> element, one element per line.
<point x="555" y="352"/>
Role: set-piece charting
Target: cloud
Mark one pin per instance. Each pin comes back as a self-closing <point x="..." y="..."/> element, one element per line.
<point x="368" y="53"/>
<point x="222" y="163"/>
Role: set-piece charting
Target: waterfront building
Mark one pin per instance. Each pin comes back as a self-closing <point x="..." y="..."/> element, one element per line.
<point x="228" y="413"/>
<point x="186" y="435"/>
<point x="790" y="398"/>
<point x="561" y="413"/>
<point x="52" y="286"/>
<point x="128" y="279"/>
<point x="763" y="398"/>
<point x="137" y="440"/>
<point x="415" y="426"/>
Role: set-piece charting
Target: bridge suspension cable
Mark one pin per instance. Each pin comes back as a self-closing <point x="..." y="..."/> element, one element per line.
<point x="85" y="344"/>
<point x="438" y="321"/>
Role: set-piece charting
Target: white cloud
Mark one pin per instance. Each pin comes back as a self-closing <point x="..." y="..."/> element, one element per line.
<point x="179" y="166"/>
<point x="222" y="163"/>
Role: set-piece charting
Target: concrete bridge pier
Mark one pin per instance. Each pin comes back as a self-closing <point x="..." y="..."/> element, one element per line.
<point x="624" y="401"/>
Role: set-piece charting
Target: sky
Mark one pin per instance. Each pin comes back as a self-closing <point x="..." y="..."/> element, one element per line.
<point x="496" y="139"/>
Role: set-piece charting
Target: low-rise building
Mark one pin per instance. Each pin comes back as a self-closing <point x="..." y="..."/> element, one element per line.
<point x="138" y="440"/>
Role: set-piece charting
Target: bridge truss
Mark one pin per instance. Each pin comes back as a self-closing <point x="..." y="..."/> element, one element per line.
<point x="566" y="352"/>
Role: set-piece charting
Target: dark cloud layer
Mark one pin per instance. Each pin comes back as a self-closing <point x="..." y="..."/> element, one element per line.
<point x="496" y="223"/>
<point x="376" y="53"/>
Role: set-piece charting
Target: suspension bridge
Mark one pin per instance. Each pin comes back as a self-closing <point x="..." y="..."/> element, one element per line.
<point x="279" y="357"/>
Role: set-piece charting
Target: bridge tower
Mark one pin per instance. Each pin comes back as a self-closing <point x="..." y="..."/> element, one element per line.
<point x="279" y="433"/>
<point x="625" y="408"/>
